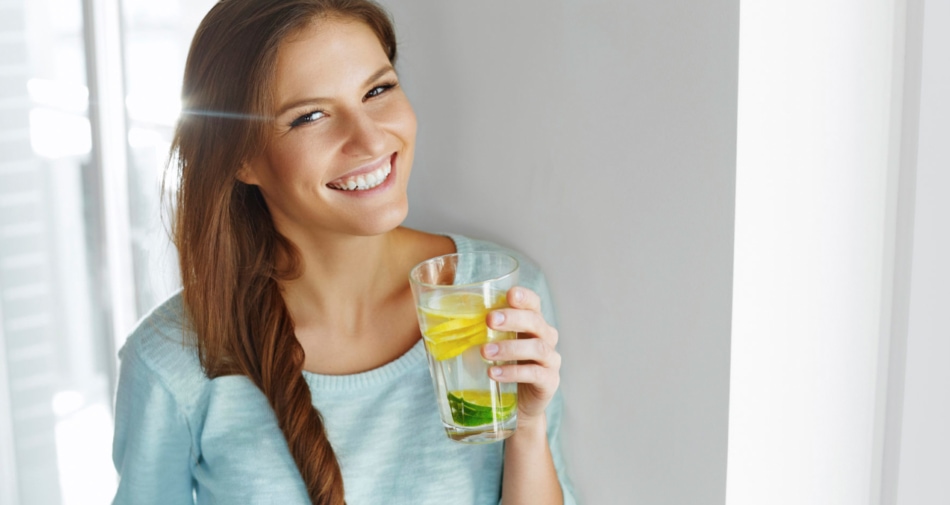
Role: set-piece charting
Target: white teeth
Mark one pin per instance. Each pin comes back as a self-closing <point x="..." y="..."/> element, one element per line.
<point x="363" y="181"/>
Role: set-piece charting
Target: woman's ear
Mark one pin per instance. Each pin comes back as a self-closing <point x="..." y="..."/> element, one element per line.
<point x="247" y="174"/>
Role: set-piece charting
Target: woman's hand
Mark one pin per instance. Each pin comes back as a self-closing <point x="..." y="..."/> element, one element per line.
<point x="538" y="370"/>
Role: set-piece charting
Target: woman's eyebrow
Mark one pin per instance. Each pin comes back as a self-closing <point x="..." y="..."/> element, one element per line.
<point x="379" y="73"/>
<point x="311" y="101"/>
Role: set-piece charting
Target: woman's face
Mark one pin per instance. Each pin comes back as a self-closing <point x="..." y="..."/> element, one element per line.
<point x="340" y="150"/>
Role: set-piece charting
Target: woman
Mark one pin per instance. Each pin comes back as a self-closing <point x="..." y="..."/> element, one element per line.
<point x="293" y="156"/>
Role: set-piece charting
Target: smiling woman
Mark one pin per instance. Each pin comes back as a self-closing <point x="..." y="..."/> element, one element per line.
<point x="291" y="363"/>
<point x="341" y="146"/>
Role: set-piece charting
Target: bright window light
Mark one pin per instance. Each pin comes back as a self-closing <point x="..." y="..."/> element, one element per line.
<point x="56" y="134"/>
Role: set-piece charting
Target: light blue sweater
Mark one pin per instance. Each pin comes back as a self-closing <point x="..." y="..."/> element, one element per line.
<point x="182" y="438"/>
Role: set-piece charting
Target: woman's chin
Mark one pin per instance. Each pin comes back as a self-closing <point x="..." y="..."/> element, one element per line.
<point x="381" y="222"/>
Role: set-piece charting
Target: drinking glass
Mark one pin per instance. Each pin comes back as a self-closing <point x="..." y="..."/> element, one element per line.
<point x="454" y="294"/>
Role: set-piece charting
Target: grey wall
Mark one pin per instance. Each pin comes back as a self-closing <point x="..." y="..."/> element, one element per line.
<point x="598" y="137"/>
<point x="924" y="440"/>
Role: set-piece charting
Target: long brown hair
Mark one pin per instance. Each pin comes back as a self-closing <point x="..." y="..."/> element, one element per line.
<point x="232" y="258"/>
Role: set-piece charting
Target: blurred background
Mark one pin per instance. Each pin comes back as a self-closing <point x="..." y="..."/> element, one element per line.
<point x="89" y="92"/>
<point x="741" y="207"/>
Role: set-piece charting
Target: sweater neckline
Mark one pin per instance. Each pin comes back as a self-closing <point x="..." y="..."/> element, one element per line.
<point x="410" y="360"/>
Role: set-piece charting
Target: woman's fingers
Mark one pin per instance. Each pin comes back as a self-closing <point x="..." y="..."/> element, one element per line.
<point x="523" y="321"/>
<point x="524" y="317"/>
<point x="524" y="298"/>
<point x="534" y="361"/>
<point x="523" y="349"/>
<point x="538" y="363"/>
<point x="538" y="376"/>
<point x="518" y="320"/>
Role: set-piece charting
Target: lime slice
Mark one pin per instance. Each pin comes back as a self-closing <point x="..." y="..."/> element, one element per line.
<point x="481" y="398"/>
<point x="474" y="407"/>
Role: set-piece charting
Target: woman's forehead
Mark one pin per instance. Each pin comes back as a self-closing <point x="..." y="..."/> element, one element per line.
<point x="328" y="55"/>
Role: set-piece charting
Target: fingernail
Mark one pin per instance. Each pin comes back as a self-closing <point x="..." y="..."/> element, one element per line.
<point x="496" y="371"/>
<point x="519" y="295"/>
<point x="491" y="349"/>
<point x="497" y="318"/>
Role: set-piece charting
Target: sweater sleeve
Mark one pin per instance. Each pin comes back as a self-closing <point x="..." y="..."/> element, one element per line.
<point x="554" y="413"/>
<point x="152" y="449"/>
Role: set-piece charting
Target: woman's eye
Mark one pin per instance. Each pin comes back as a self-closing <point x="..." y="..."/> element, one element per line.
<point x="308" y="118"/>
<point x="379" y="90"/>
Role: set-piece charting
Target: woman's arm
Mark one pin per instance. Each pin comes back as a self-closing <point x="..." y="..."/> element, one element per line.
<point x="529" y="475"/>
<point x="152" y="449"/>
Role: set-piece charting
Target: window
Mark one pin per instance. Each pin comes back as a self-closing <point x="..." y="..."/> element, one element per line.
<point x="55" y="392"/>
<point x="71" y="209"/>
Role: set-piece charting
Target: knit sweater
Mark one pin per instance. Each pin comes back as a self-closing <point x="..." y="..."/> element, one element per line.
<point x="181" y="438"/>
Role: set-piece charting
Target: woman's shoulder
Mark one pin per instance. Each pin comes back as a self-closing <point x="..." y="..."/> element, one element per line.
<point x="162" y="347"/>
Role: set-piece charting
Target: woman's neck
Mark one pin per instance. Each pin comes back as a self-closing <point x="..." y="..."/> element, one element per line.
<point x="345" y="278"/>
<point x="352" y="306"/>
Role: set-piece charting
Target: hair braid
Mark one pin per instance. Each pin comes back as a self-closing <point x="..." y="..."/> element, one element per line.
<point x="273" y="358"/>
<point x="282" y="381"/>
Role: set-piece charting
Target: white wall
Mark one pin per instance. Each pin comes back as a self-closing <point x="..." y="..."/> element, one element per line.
<point x="924" y="435"/>
<point x="598" y="137"/>
<point x="811" y="249"/>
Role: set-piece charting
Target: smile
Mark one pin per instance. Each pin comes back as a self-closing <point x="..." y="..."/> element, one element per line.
<point x="365" y="181"/>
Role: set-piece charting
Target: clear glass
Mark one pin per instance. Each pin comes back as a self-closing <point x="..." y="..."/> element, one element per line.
<point x="454" y="294"/>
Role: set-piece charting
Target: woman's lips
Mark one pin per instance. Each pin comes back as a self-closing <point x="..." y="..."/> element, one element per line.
<point x="365" y="178"/>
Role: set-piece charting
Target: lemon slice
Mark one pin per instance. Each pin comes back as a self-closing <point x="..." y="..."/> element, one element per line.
<point x="455" y="327"/>
<point x="455" y="322"/>
<point x="448" y="349"/>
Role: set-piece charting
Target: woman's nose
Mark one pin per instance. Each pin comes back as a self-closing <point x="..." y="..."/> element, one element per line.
<point x="365" y="136"/>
